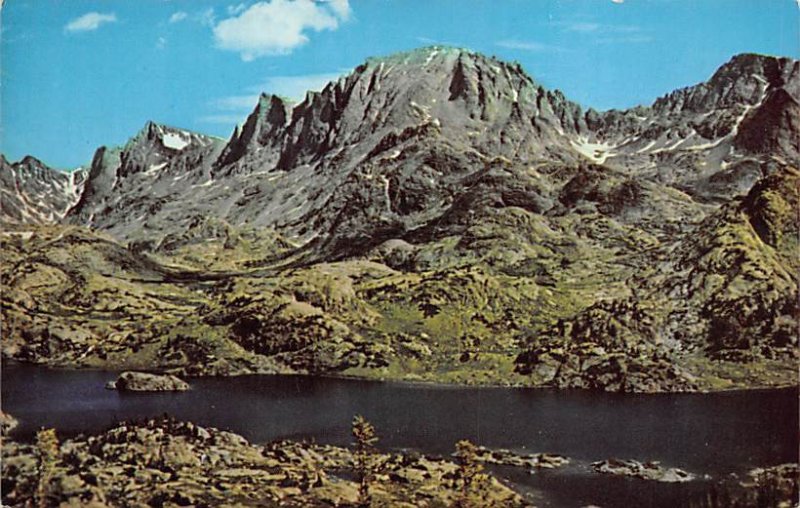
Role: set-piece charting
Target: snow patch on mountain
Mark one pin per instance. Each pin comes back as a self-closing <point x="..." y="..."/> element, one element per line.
<point x="597" y="152"/>
<point x="175" y="141"/>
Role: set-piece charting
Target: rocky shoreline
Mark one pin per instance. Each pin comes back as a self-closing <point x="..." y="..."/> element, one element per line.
<point x="371" y="376"/>
<point x="645" y="471"/>
<point x="532" y="462"/>
<point x="7" y="423"/>
<point x="164" y="462"/>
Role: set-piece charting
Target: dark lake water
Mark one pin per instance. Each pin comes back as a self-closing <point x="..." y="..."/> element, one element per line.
<point x="713" y="434"/>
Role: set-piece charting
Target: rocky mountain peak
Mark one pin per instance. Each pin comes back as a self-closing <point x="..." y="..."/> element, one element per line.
<point x="164" y="137"/>
<point x="30" y="167"/>
<point x="31" y="162"/>
<point x="419" y="56"/>
<point x="276" y="109"/>
<point x="263" y="127"/>
<point x="777" y="71"/>
<point x="435" y="90"/>
<point x="33" y="193"/>
<point x="743" y="80"/>
<point x="150" y="160"/>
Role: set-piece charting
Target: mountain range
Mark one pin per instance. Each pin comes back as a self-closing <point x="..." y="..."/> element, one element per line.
<point x="434" y="215"/>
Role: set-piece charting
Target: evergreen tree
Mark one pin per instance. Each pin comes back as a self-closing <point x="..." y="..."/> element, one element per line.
<point x="469" y="477"/>
<point x="47" y="451"/>
<point x="366" y="462"/>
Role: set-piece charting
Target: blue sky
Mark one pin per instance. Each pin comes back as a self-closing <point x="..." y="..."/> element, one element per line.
<point x="78" y="74"/>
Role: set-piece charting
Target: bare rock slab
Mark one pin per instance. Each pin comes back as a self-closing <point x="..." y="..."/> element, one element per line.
<point x="146" y="382"/>
<point x="646" y="471"/>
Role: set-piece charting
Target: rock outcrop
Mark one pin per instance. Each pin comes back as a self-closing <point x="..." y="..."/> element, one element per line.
<point x="147" y="382"/>
<point x="7" y="423"/>
<point x="531" y="461"/>
<point x="645" y="471"/>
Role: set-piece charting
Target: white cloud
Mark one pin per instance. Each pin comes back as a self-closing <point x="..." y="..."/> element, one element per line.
<point x="161" y="43"/>
<point x="276" y="27"/>
<point x="623" y="1"/>
<point x="602" y="33"/>
<point x="233" y="10"/>
<point x="207" y="17"/>
<point x="342" y="8"/>
<point x="583" y="27"/>
<point x="632" y="39"/>
<point x="597" y="28"/>
<point x="89" y="21"/>
<point x="528" y="46"/>
<point x="178" y="16"/>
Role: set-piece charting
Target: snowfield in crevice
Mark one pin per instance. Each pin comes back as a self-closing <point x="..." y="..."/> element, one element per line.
<point x="175" y="141"/>
<point x="597" y="152"/>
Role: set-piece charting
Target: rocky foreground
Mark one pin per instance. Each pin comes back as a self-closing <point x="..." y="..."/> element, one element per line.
<point x="165" y="462"/>
<point x="761" y="487"/>
<point x="169" y="463"/>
